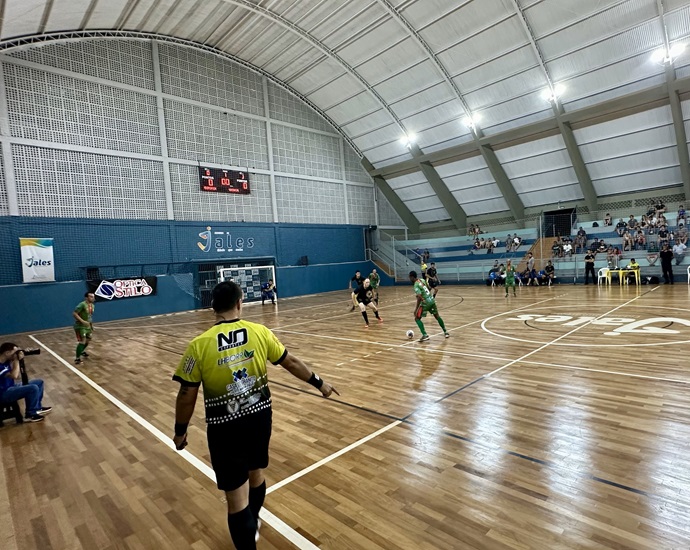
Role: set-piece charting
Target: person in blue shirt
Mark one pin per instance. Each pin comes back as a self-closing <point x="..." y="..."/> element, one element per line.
<point x="10" y="390"/>
<point x="268" y="292"/>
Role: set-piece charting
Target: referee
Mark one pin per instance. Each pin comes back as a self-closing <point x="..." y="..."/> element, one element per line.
<point x="229" y="360"/>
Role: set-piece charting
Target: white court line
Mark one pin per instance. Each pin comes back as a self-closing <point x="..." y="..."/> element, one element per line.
<point x="563" y="335"/>
<point x="281" y="527"/>
<point x="335" y="455"/>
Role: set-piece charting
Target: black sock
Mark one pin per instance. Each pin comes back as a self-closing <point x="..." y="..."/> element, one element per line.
<point x="377" y="314"/>
<point x="256" y="498"/>
<point x="242" y="526"/>
<point x="366" y="317"/>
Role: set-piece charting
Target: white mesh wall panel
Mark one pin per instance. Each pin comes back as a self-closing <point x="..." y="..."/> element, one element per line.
<point x="204" y="77"/>
<point x="189" y="203"/>
<point x="125" y="61"/>
<point x="387" y="214"/>
<point x="354" y="171"/>
<point x="4" y="207"/>
<point x="61" y="109"/>
<point x="69" y="184"/>
<point x="302" y="152"/>
<point x="360" y="205"/>
<point x="285" y="107"/>
<point x="308" y="201"/>
<point x="203" y="134"/>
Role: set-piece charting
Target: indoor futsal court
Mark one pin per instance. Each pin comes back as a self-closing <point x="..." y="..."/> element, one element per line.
<point x="554" y="419"/>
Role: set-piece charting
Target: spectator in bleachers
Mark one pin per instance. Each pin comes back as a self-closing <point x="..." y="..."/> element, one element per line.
<point x="580" y="244"/>
<point x="470" y="230"/>
<point x="634" y="266"/>
<point x="602" y="246"/>
<point x="620" y="227"/>
<point x="661" y="220"/>
<point x="664" y="236"/>
<point x="682" y="234"/>
<point x="556" y="249"/>
<point x="550" y="273"/>
<point x="496" y="242"/>
<point x="627" y="241"/>
<point x="681" y="215"/>
<point x="568" y="250"/>
<point x="482" y="243"/>
<point x="632" y="223"/>
<point x="653" y="224"/>
<point x="582" y="233"/>
<point x="640" y="240"/>
<point x="644" y="222"/>
<point x="489" y="246"/>
<point x="607" y="219"/>
<point x="679" y="252"/>
<point x="426" y="255"/>
<point x="660" y="207"/>
<point x="517" y="241"/>
<point x="594" y="247"/>
<point x="509" y="243"/>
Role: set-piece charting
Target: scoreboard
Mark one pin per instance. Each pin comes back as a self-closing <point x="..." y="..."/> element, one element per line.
<point x="220" y="180"/>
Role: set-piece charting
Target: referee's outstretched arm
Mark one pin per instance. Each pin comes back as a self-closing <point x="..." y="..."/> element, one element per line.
<point x="296" y="367"/>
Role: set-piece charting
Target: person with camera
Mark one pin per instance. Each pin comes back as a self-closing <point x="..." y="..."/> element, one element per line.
<point x="31" y="391"/>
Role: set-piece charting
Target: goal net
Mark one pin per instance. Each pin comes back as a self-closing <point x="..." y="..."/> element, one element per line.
<point x="250" y="279"/>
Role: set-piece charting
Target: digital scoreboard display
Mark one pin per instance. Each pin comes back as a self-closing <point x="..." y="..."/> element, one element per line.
<point x="220" y="180"/>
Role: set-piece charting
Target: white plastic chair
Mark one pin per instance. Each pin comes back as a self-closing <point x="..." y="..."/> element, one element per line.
<point x="689" y="274"/>
<point x="603" y="274"/>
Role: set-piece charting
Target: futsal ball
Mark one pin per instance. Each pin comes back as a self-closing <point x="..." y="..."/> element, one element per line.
<point x="410" y="334"/>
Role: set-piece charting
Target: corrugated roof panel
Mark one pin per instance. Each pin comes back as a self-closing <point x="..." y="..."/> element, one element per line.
<point x="514" y="108"/>
<point x="518" y="122"/>
<point x="612" y="77"/>
<point x="597" y="27"/>
<point x="15" y="21"/>
<point x="463" y="22"/>
<point x="317" y="14"/>
<point x="386" y="154"/>
<point x="637" y="142"/>
<point x="390" y="133"/>
<point x="504" y="37"/>
<point x="665" y="177"/>
<point x="315" y="76"/>
<point x="355" y="107"/>
<point x="435" y="95"/>
<point x="449" y="134"/>
<point x="301" y="57"/>
<point x="464" y="166"/>
<point x="625" y="125"/>
<point x="368" y="124"/>
<point x="419" y="198"/>
<point x="335" y="92"/>
<point x="483" y="207"/>
<point x="601" y="97"/>
<point x="437" y="215"/>
<point x="422" y="13"/>
<point x="66" y="14"/>
<point x="544" y="180"/>
<point x="449" y="111"/>
<point x="678" y="21"/>
<point x="547" y="16"/>
<point x="638" y="40"/>
<point x="391" y="62"/>
<point x="480" y="184"/>
<point x="551" y="196"/>
<point x="517" y="85"/>
<point x="376" y="40"/>
<point x="407" y="180"/>
<point x="349" y="23"/>
<point x="511" y="63"/>
<point x="531" y="148"/>
<point x="685" y="106"/>
<point x="631" y="164"/>
<point x="106" y="14"/>
<point x="555" y="160"/>
<point x="409" y="82"/>
<point x="271" y="41"/>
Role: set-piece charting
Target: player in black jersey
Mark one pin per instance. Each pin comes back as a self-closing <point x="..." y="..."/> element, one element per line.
<point x="365" y="296"/>
<point x="432" y="279"/>
<point x="359" y="281"/>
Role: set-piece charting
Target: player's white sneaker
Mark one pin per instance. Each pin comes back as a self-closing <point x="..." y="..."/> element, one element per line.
<point x="447" y="335"/>
<point x="257" y="536"/>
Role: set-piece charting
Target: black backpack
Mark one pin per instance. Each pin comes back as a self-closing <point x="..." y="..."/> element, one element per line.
<point x="595" y="224"/>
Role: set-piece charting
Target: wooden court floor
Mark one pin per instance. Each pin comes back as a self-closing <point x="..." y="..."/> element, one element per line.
<point x="559" y="418"/>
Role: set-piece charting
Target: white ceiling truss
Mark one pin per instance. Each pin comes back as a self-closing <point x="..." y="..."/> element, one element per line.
<point x="379" y="70"/>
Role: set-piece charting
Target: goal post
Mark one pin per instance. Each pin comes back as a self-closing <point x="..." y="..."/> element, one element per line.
<point x="250" y="279"/>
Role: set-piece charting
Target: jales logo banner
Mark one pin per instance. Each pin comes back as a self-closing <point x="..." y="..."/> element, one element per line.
<point x="38" y="265"/>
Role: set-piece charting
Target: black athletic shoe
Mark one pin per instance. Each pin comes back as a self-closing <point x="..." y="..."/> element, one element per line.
<point x="77" y="361"/>
<point x="34" y="418"/>
<point x="84" y="354"/>
<point x="44" y="411"/>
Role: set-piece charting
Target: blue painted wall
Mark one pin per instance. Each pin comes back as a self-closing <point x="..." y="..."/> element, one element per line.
<point x="81" y="243"/>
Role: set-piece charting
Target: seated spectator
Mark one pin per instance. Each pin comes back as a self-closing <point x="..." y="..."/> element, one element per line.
<point x="634" y="266"/>
<point x="568" y="250"/>
<point x="664" y="235"/>
<point x="610" y="256"/>
<point x="644" y="222"/>
<point x="681" y="215"/>
<point x="556" y="249"/>
<point x="509" y="243"/>
<point x="651" y="211"/>
<point x="580" y="244"/>
<point x="32" y="393"/>
<point x="602" y="246"/>
<point x="477" y="245"/>
<point x="594" y="247"/>
<point x="581" y="232"/>
<point x="470" y="230"/>
<point x="620" y="227"/>
<point x="495" y="267"/>
<point x="549" y="273"/>
<point x="660" y="207"/>
<point x="632" y="223"/>
<point x="679" y="252"/>
<point x="607" y="220"/>
<point x="627" y="241"/>
<point x="489" y="246"/>
<point x="661" y="220"/>
<point x="653" y="223"/>
<point x="640" y="240"/>
<point x="517" y="241"/>
<point x="482" y="243"/>
<point x="478" y="230"/>
<point x="682" y="234"/>
<point x="496" y="242"/>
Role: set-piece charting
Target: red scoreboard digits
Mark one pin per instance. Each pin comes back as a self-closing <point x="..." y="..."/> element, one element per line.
<point x="220" y="180"/>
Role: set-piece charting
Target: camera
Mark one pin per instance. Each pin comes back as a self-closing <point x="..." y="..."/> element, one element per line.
<point x="31" y="351"/>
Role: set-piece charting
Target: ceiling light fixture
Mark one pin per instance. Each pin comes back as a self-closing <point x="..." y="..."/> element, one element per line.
<point x="553" y="94"/>
<point x="471" y="121"/>
<point x="667" y="56"/>
<point x="408" y="139"/>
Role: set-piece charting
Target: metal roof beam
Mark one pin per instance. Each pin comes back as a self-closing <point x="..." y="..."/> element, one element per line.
<point x="395" y="201"/>
<point x="571" y="146"/>
<point x="504" y="184"/>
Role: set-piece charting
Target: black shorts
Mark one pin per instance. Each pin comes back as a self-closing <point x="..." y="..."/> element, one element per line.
<point x="239" y="446"/>
<point x="433" y="283"/>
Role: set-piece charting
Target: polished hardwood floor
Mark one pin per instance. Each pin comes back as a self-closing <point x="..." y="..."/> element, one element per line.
<point x="559" y="418"/>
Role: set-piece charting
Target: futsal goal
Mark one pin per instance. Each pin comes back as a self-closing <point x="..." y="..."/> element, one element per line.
<point x="250" y="279"/>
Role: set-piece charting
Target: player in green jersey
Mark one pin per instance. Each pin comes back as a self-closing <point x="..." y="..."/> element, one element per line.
<point x="83" y="324"/>
<point x="510" y="277"/>
<point x="375" y="281"/>
<point x="425" y="304"/>
<point x="229" y="361"/>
